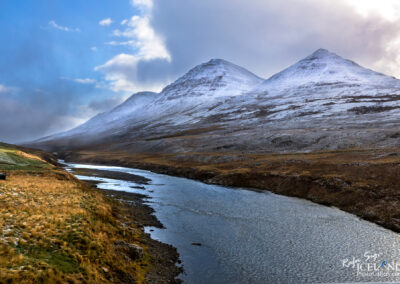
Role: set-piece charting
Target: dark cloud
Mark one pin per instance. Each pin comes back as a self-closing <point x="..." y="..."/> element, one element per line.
<point x="20" y="121"/>
<point x="31" y="113"/>
<point x="266" y="36"/>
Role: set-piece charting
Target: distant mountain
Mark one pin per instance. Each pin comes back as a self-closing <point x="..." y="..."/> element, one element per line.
<point x="216" y="78"/>
<point x="323" y="66"/>
<point x="115" y="118"/>
<point x="321" y="102"/>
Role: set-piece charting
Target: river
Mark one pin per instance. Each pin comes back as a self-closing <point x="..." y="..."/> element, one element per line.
<point x="230" y="235"/>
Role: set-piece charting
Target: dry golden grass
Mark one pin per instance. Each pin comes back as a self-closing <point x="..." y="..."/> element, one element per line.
<point x="54" y="230"/>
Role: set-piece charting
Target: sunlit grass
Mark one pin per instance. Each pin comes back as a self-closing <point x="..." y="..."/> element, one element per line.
<point x="13" y="159"/>
<point x="54" y="229"/>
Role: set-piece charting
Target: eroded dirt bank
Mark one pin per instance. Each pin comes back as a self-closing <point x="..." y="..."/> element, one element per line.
<point x="363" y="182"/>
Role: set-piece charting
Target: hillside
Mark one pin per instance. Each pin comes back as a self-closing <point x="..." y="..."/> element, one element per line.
<point x="56" y="229"/>
<point x="322" y="102"/>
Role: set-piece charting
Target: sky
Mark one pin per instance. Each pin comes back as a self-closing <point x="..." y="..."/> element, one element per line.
<point x="64" y="61"/>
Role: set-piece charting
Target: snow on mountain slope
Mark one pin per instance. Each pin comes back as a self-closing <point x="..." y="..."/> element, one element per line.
<point x="325" y="84"/>
<point x="323" y="66"/>
<point x="215" y="78"/>
<point x="114" y="118"/>
<point x="190" y="95"/>
<point x="320" y="102"/>
<point x="193" y="96"/>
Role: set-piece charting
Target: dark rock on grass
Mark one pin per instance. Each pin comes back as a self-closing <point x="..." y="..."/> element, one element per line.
<point x="133" y="251"/>
<point x="3" y="176"/>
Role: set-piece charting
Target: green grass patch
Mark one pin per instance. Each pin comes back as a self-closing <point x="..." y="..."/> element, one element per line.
<point x="11" y="159"/>
<point x="53" y="258"/>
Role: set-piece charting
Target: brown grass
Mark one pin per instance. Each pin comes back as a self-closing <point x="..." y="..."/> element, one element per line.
<point x="54" y="229"/>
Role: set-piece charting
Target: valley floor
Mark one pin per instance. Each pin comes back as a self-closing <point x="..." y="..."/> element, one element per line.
<point x="57" y="229"/>
<point x="365" y="182"/>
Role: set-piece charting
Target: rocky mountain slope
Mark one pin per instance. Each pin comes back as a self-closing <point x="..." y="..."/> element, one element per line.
<point x="321" y="102"/>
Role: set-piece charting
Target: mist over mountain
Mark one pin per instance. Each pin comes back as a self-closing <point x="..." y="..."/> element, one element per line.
<point x="321" y="102"/>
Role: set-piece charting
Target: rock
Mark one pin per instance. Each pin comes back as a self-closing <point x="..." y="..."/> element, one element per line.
<point x="3" y="176"/>
<point x="105" y="269"/>
<point x="196" y="244"/>
<point x="133" y="251"/>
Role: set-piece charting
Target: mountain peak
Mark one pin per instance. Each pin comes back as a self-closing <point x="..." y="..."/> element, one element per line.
<point x="322" y="52"/>
<point x="215" y="65"/>
<point x="325" y="55"/>
<point x="217" y="61"/>
<point x="213" y="77"/>
<point x="327" y="67"/>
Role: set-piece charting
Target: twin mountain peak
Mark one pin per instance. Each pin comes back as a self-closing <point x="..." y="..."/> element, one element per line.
<point x="321" y="102"/>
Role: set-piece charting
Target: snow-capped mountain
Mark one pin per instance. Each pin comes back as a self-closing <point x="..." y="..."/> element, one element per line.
<point x="323" y="66"/>
<point x="213" y="79"/>
<point x="186" y="99"/>
<point x="321" y="102"/>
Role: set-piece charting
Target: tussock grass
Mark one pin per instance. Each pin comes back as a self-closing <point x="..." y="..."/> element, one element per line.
<point x="55" y="229"/>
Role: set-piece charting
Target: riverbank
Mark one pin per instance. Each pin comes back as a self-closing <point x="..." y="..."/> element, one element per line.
<point x="362" y="182"/>
<point x="57" y="229"/>
<point x="236" y="235"/>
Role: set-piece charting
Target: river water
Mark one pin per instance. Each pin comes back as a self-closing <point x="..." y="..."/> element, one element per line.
<point x="227" y="235"/>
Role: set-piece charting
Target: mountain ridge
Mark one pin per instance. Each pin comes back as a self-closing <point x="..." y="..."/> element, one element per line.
<point x="323" y="65"/>
<point x="321" y="102"/>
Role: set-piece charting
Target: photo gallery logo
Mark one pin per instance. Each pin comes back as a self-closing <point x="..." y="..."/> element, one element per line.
<point x="372" y="264"/>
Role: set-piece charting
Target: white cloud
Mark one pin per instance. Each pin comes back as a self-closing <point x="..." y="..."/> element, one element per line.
<point x="143" y="37"/>
<point x="142" y="4"/>
<point x="85" y="81"/>
<point x="389" y="9"/>
<point x="116" y="43"/>
<point x="124" y="22"/>
<point x="121" y="70"/>
<point x="106" y="22"/>
<point x="53" y="24"/>
<point x="93" y="48"/>
<point x="121" y="73"/>
<point x="80" y="80"/>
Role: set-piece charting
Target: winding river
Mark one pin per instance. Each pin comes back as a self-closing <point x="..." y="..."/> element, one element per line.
<point x="226" y="235"/>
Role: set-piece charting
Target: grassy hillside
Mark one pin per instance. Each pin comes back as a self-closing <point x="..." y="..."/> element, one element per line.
<point x="55" y="229"/>
<point x="12" y="159"/>
<point x="20" y="158"/>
